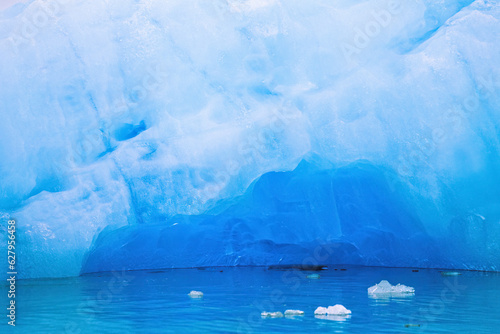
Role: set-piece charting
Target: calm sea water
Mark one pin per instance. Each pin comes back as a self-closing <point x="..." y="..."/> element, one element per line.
<point x="157" y="302"/>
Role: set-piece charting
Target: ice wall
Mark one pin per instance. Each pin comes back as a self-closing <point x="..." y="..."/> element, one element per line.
<point x="123" y="115"/>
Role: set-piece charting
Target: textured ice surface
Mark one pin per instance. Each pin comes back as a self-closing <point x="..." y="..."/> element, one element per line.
<point x="385" y="289"/>
<point x="332" y="310"/>
<point x="309" y="215"/>
<point x="167" y="134"/>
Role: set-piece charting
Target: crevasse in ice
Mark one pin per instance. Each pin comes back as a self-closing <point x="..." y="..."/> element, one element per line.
<point x="140" y="134"/>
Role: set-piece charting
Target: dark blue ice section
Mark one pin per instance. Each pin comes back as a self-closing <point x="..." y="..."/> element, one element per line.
<point x="347" y="215"/>
<point x="128" y="131"/>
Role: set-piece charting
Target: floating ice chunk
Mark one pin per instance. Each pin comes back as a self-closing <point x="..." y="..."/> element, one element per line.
<point x="321" y="310"/>
<point x="271" y="315"/>
<point x="386" y="289"/>
<point x="313" y="276"/>
<point x="332" y="310"/>
<point x="450" y="273"/>
<point x="293" y="312"/>
<point x="195" y="294"/>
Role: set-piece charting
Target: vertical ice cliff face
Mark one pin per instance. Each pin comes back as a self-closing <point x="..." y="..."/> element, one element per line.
<point x="122" y="115"/>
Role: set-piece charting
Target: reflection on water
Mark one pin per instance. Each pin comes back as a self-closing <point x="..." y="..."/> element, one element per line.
<point x="332" y="317"/>
<point x="390" y="295"/>
<point x="234" y="298"/>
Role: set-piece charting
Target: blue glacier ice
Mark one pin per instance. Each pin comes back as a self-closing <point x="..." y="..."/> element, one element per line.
<point x="152" y="134"/>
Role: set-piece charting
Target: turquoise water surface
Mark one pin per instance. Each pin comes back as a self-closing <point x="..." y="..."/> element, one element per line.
<point x="158" y="302"/>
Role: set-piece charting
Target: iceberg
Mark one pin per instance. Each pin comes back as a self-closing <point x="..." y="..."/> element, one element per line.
<point x="195" y="294"/>
<point x="293" y="312"/>
<point x="386" y="289"/>
<point x="152" y="134"/>
<point x="337" y="309"/>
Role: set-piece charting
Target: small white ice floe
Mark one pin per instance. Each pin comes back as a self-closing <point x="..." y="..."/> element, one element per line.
<point x="271" y="315"/>
<point x="332" y="310"/>
<point x="195" y="294"/>
<point x="334" y="313"/>
<point x="385" y="289"/>
<point x="293" y="312"/>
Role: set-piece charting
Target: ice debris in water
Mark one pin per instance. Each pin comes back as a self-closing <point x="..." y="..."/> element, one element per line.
<point x="195" y="294"/>
<point x="313" y="276"/>
<point x="332" y="310"/>
<point x="386" y="288"/>
<point x="271" y="315"/>
<point x="294" y="312"/>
